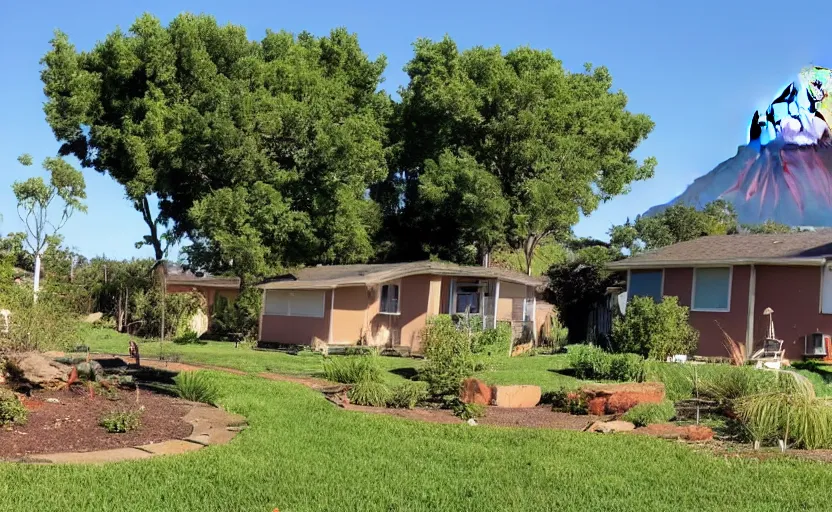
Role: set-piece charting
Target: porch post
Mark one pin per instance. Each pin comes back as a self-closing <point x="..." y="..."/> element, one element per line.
<point x="749" y="321"/>
<point x="452" y="297"/>
<point x="331" y="311"/>
<point x="534" y="317"/>
<point x="262" y="312"/>
<point x="496" y="301"/>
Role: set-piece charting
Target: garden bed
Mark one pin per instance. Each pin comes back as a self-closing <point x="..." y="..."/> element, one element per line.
<point x="72" y="425"/>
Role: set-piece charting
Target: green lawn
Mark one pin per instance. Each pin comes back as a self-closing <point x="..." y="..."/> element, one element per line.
<point x="301" y="453"/>
<point x="498" y="370"/>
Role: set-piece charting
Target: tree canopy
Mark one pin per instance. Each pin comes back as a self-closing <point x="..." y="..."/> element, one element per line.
<point x="193" y="113"/>
<point x="537" y="141"/>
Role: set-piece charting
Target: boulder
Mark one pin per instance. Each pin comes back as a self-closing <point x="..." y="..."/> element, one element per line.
<point x="673" y="431"/>
<point x="35" y="369"/>
<point x="91" y="370"/>
<point x="516" y="396"/>
<point x="607" y="427"/>
<point x="620" y="398"/>
<point x="93" y="317"/>
<point x="475" y="391"/>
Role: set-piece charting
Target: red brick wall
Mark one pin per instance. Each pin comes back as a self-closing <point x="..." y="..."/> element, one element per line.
<point x="679" y="282"/>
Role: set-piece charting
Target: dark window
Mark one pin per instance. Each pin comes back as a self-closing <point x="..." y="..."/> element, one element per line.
<point x="468" y="297"/>
<point x="390" y="298"/>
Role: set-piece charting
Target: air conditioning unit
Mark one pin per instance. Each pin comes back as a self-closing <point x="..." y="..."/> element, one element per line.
<point x="817" y="344"/>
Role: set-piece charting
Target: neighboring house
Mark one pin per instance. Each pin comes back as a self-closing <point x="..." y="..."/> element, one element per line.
<point x="389" y="304"/>
<point x="179" y="280"/>
<point x="728" y="281"/>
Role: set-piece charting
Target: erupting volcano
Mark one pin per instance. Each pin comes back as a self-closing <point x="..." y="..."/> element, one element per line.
<point x="784" y="173"/>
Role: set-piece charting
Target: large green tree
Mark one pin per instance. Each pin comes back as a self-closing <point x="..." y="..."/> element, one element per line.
<point x="196" y="115"/>
<point x="556" y="143"/>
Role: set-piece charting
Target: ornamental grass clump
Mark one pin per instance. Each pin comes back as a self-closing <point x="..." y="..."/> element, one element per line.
<point x="647" y="414"/>
<point x="354" y="369"/>
<point x="196" y="387"/>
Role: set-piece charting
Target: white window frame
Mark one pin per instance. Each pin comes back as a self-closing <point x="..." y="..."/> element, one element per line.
<point x="630" y="273"/>
<point x="289" y="304"/>
<point x="398" y="311"/>
<point x="693" y="290"/>
<point x="823" y="270"/>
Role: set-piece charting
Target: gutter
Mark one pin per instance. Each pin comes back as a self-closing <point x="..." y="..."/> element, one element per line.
<point x="796" y="262"/>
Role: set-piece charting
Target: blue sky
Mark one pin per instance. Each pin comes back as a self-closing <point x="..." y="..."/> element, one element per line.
<point x="699" y="69"/>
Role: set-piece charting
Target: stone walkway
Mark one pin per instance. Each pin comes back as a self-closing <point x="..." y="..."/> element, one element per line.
<point x="211" y="426"/>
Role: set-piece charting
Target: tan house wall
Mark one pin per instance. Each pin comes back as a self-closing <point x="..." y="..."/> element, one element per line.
<point x="297" y="330"/>
<point x="510" y="295"/>
<point x="350" y="314"/>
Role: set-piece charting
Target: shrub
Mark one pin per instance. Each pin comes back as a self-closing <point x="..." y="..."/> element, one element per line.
<point x="120" y="422"/>
<point x="655" y="330"/>
<point x="368" y="392"/>
<point x="448" y="356"/>
<point x="590" y="362"/>
<point x="645" y="414"/>
<point x="408" y="395"/>
<point x="11" y="410"/>
<point x="187" y="338"/>
<point x="353" y="369"/>
<point x="463" y="410"/>
<point x="573" y="402"/>
<point x="42" y="325"/>
<point x="493" y="341"/>
<point x="626" y="367"/>
<point x="239" y="316"/>
<point x="555" y="334"/>
<point x="677" y="378"/>
<point x="196" y="387"/>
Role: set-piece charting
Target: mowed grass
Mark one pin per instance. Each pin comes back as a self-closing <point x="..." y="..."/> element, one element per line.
<point x="537" y="370"/>
<point x="301" y="453"/>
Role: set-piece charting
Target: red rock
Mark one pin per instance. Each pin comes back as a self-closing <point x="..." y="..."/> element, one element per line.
<point x="475" y="391"/>
<point x="619" y="398"/>
<point x="673" y="431"/>
<point x="516" y="396"/>
<point x="597" y="406"/>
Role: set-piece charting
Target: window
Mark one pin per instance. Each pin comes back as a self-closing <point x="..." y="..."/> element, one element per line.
<point x="711" y="289"/>
<point x="468" y="296"/>
<point x="390" y="299"/>
<point x="646" y="284"/>
<point x="826" y="285"/>
<point x="308" y="303"/>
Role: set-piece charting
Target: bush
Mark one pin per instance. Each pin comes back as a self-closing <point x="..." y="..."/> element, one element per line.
<point x="239" y="316"/>
<point x="187" y="338"/>
<point x="463" y="410"/>
<point x="448" y="356"/>
<point x="42" y="325"/>
<point x="375" y="394"/>
<point x="120" y="422"/>
<point x="645" y="414"/>
<point x="493" y="341"/>
<point x="573" y="402"/>
<point x="408" y="395"/>
<point x="353" y="369"/>
<point x="196" y="387"/>
<point x="11" y="410"/>
<point x="655" y="330"/>
<point x="555" y="334"/>
<point x="591" y="362"/>
<point x="677" y="378"/>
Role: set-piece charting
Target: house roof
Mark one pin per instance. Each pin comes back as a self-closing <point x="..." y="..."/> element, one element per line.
<point x="334" y="276"/>
<point x="802" y="248"/>
<point x="178" y="275"/>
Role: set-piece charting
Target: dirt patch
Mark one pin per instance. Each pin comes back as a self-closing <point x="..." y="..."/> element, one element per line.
<point x="420" y="414"/>
<point x="311" y="382"/>
<point x="535" y="417"/>
<point x="72" y="424"/>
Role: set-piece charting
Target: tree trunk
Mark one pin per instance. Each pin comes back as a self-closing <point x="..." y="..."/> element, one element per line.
<point x="36" y="285"/>
<point x="144" y="207"/>
<point x="119" y="314"/>
<point x="528" y="250"/>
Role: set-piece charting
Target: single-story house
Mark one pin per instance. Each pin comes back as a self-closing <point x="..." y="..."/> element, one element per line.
<point x="181" y="280"/>
<point x="388" y="304"/>
<point x="728" y="281"/>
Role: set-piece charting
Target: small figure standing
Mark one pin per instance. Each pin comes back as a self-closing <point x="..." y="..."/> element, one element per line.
<point x="134" y="352"/>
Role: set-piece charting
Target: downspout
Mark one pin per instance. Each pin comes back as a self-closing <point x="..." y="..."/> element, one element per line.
<point x="331" y="314"/>
<point x="749" y="321"/>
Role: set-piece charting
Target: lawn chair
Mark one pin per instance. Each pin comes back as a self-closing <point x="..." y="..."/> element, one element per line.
<point x="772" y="352"/>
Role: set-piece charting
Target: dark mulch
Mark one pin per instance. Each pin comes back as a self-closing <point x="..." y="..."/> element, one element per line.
<point x="73" y="424"/>
<point x="535" y="417"/>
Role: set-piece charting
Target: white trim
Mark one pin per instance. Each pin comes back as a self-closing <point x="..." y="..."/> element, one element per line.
<point x="262" y="314"/>
<point x="452" y="297"/>
<point x="693" y="291"/>
<point x="398" y="283"/>
<point x="496" y="302"/>
<point x="534" y="317"/>
<point x="749" y="321"/>
<point x="331" y="311"/>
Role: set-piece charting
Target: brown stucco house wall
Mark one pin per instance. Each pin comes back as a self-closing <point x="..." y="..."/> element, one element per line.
<point x="352" y="312"/>
<point x="784" y="272"/>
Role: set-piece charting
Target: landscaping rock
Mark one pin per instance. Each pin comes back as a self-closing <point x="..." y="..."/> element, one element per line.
<point x="33" y="368"/>
<point x="608" y="427"/>
<point x="93" y="317"/>
<point x="620" y="398"/>
<point x="673" y="431"/>
<point x="475" y="391"/>
<point x="516" y="396"/>
<point x="90" y="370"/>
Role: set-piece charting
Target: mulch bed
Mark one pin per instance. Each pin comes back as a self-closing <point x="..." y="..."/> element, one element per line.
<point x="73" y="424"/>
<point x="536" y="417"/>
